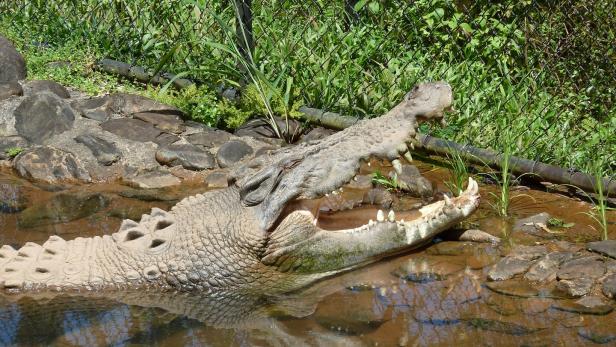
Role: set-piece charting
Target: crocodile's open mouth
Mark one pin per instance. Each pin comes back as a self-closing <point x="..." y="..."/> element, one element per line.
<point x="308" y="243"/>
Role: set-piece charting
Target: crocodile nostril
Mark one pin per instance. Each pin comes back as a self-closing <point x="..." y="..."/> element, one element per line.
<point x="133" y="235"/>
<point x="162" y="224"/>
<point x="156" y="243"/>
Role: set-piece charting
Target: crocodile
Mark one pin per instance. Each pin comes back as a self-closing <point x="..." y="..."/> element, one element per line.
<point x="259" y="233"/>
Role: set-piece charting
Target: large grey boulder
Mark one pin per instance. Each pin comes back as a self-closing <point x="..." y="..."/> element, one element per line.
<point x="50" y="165"/>
<point x="606" y="247"/>
<point x="209" y="138"/>
<point x="12" y="64"/>
<point x="38" y="86"/>
<point x="166" y="122"/>
<point x="41" y="116"/>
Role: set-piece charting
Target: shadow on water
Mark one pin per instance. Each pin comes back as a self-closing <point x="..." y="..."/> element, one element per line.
<point x="435" y="296"/>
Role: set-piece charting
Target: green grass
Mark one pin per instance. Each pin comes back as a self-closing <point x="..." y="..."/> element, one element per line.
<point x="496" y="56"/>
<point x="458" y="170"/>
<point x="389" y="183"/>
<point x="12" y="152"/>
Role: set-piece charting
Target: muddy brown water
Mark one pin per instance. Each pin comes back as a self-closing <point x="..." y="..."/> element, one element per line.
<point x="444" y="303"/>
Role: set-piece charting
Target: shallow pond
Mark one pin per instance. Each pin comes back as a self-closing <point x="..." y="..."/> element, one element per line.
<point x="434" y="296"/>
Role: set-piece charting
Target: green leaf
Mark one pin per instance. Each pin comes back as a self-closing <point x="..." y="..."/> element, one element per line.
<point x="359" y="5"/>
<point x="374" y="7"/>
<point x="466" y="27"/>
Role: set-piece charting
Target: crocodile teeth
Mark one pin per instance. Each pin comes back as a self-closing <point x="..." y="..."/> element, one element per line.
<point x="447" y="200"/>
<point x="380" y="216"/>
<point x="391" y="216"/>
<point x="370" y="222"/>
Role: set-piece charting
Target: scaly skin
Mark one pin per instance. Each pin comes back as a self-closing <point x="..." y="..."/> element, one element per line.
<point x="254" y="234"/>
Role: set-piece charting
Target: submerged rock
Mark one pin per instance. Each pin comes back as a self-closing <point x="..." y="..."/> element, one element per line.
<point x="587" y="305"/>
<point x="357" y="319"/>
<point x="545" y="269"/>
<point x="50" y="165"/>
<point x="500" y="326"/>
<point x="591" y="267"/>
<point x="12" y="197"/>
<point x="153" y="179"/>
<point x="597" y="337"/>
<point x="424" y="269"/>
<point x="42" y="116"/>
<point x="609" y="286"/>
<point x="575" y="287"/>
<point x="507" y="268"/>
<point x="62" y="208"/>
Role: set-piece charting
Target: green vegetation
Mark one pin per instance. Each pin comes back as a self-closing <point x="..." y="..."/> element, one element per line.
<point x="559" y="223"/>
<point x="12" y="152"/>
<point x="390" y="183"/>
<point x="458" y="172"/>
<point x="599" y="211"/>
<point x="543" y="69"/>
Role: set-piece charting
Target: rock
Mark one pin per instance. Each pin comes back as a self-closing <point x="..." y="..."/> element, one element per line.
<point x="379" y="196"/>
<point x="50" y="165"/>
<point x="189" y="156"/>
<point x="128" y="104"/>
<point x="106" y="153"/>
<point x="503" y="305"/>
<point x="165" y="139"/>
<point x="452" y="248"/>
<point x="209" y="138"/>
<point x="426" y="269"/>
<point x="513" y="288"/>
<point x="609" y="286"/>
<point x="165" y="122"/>
<point x="232" y="152"/>
<point x="217" y="180"/>
<point x="261" y="128"/>
<point x="41" y="116"/>
<point x="595" y="337"/>
<point x="476" y="235"/>
<point x="96" y="108"/>
<point x="132" y="212"/>
<point x="533" y="224"/>
<point x="529" y="252"/>
<point x="607" y="247"/>
<point x="36" y="87"/>
<point x="357" y="319"/>
<point x="62" y="208"/>
<point x="12" y="64"/>
<point x="155" y="194"/>
<point x="544" y="270"/>
<point x="586" y="305"/>
<point x="575" y="287"/>
<point x="500" y="326"/>
<point x="507" y="268"/>
<point x="11" y="142"/>
<point x="361" y="182"/>
<point x="153" y="179"/>
<point x="132" y="129"/>
<point x="12" y="197"/>
<point x="11" y="88"/>
<point x="410" y="180"/>
<point x="591" y="267"/>
<point x="317" y="133"/>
